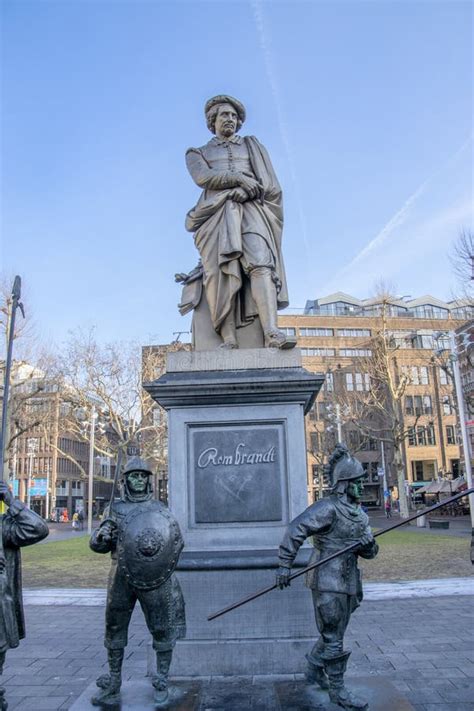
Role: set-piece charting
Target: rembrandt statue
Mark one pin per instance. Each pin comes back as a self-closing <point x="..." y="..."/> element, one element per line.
<point x="333" y="523"/>
<point x="237" y="226"/>
<point x="19" y="527"/>
<point x="144" y="541"/>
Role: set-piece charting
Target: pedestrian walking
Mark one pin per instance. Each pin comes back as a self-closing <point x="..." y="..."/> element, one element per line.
<point x="388" y="508"/>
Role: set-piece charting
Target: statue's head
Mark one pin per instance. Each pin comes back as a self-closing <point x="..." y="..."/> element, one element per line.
<point x="224" y="115"/>
<point x="136" y="479"/>
<point x="347" y="473"/>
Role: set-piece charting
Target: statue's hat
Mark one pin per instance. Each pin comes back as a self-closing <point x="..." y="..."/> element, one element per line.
<point x="136" y="464"/>
<point x="347" y="468"/>
<point x="224" y="99"/>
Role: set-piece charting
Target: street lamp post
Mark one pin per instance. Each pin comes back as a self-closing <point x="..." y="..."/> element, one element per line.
<point x="31" y="449"/>
<point x="91" y="470"/>
<point x="462" y="420"/>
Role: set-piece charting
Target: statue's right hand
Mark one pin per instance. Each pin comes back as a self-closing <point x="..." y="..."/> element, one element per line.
<point x="107" y="532"/>
<point x="283" y="577"/>
<point x="251" y="186"/>
<point x="3" y="564"/>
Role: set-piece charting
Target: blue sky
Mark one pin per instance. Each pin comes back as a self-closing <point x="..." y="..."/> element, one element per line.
<point x="365" y="107"/>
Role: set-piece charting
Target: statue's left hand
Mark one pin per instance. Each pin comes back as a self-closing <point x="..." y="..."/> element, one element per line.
<point x="366" y="539"/>
<point x="283" y="577"/>
<point x="5" y="493"/>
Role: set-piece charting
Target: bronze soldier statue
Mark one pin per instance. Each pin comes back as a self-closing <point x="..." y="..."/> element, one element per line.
<point x="334" y="522"/>
<point x="20" y="527"/>
<point x="145" y="543"/>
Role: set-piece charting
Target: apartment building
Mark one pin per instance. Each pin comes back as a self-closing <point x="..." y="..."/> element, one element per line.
<point x="465" y="351"/>
<point x="334" y="334"/>
<point x="44" y="458"/>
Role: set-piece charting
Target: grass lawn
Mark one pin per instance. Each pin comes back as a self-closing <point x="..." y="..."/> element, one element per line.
<point x="403" y="555"/>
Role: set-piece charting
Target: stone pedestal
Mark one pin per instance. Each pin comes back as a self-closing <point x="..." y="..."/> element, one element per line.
<point x="237" y="476"/>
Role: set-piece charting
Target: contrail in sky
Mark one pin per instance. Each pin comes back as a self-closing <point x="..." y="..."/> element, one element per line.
<point x="265" y="46"/>
<point x="399" y="217"/>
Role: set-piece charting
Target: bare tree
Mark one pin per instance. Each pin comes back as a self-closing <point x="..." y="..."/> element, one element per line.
<point x="107" y="380"/>
<point x="376" y="408"/>
<point x="462" y="260"/>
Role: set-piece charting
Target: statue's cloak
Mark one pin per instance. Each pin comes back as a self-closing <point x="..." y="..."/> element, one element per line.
<point x="217" y="225"/>
<point x="20" y="527"/>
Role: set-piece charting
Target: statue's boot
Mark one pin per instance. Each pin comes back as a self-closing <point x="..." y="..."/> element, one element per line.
<point x="3" y="701"/>
<point x="264" y="294"/>
<point x="110" y="684"/>
<point x="315" y="673"/>
<point x="160" y="680"/>
<point x="338" y="694"/>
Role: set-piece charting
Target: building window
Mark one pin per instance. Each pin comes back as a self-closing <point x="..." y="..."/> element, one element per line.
<point x="288" y="330"/>
<point x="314" y="441"/>
<point x="421" y="436"/>
<point x="450" y="435"/>
<point x="358" y="381"/>
<point x="465" y="312"/>
<point x="418" y="405"/>
<point x="157" y="416"/>
<point x="338" y="308"/>
<point x="329" y="382"/>
<point x="318" y="352"/>
<point x="429" y="311"/>
<point x="443" y="376"/>
<point x="314" y="332"/>
<point x="355" y="352"/>
<point x="416" y="374"/>
<point x="447" y="406"/>
<point x="354" y="332"/>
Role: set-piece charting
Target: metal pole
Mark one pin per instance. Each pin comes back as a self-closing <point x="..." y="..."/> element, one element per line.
<point x="16" y="294"/>
<point x="30" y="470"/>
<point x="338" y="423"/>
<point x="47" y="491"/>
<point x="91" y="470"/>
<point x="462" y="420"/>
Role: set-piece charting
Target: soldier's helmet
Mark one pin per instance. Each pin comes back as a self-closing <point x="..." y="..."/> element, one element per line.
<point x="136" y="464"/>
<point x="342" y="466"/>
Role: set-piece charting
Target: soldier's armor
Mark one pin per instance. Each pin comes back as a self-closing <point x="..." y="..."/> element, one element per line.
<point x="333" y="525"/>
<point x="342" y="573"/>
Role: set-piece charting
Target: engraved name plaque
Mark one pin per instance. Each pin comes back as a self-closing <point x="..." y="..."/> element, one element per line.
<point x="238" y="474"/>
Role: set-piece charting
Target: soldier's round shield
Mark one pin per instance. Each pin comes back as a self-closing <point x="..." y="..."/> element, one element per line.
<point x="148" y="547"/>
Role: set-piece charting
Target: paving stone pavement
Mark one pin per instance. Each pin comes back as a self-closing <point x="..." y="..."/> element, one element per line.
<point x="425" y="646"/>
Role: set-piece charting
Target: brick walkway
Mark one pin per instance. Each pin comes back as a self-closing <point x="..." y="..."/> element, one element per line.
<point x="424" y="646"/>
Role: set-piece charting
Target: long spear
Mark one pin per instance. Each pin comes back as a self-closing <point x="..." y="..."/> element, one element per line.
<point x="263" y="591"/>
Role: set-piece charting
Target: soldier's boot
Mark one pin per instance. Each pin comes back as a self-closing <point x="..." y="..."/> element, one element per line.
<point x="338" y="694"/>
<point x="160" y="680"/>
<point x="315" y="673"/>
<point x="264" y="294"/>
<point x="110" y="684"/>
